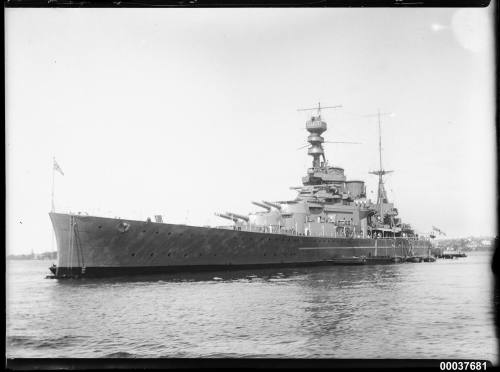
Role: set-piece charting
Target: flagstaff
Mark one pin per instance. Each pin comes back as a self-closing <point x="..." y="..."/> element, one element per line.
<point x="55" y="167"/>
<point x="53" y="183"/>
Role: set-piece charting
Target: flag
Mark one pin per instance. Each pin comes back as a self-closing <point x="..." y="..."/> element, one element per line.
<point x="438" y="230"/>
<point x="57" y="167"/>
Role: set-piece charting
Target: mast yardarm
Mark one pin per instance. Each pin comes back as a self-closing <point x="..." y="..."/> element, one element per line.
<point x="381" y="194"/>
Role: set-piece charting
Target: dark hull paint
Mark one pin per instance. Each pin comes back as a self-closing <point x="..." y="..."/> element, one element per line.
<point x="101" y="272"/>
<point x="96" y="246"/>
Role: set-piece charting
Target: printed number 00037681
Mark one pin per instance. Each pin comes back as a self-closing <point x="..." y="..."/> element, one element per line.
<point x="462" y="366"/>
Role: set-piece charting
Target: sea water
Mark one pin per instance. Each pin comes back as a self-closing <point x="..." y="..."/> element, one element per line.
<point x="413" y="310"/>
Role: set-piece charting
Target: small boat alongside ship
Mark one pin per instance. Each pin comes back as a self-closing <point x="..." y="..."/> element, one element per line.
<point x="429" y="259"/>
<point x="414" y="259"/>
<point x="450" y="254"/>
<point x="330" y="222"/>
<point x="349" y="261"/>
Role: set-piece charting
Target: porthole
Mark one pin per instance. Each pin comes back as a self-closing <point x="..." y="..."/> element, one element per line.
<point x="151" y="254"/>
<point x="169" y="233"/>
<point x="100" y="227"/>
<point x="143" y="231"/>
<point x="157" y="232"/>
<point x="168" y="254"/>
<point x="133" y="254"/>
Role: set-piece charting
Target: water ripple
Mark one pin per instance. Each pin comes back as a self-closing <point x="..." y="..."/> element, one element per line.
<point x="426" y="310"/>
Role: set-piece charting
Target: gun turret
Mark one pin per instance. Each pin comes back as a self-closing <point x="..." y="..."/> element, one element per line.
<point x="226" y="217"/>
<point x="266" y="207"/>
<point x="277" y="206"/>
<point x="238" y="216"/>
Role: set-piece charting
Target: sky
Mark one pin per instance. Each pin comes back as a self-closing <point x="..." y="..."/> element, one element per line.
<point x="188" y="112"/>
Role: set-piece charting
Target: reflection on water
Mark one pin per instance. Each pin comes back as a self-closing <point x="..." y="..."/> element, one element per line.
<point x="226" y="276"/>
<point x="426" y="310"/>
<point x="347" y="275"/>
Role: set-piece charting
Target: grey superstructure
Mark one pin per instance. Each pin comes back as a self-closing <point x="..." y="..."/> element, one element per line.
<point x="328" y="204"/>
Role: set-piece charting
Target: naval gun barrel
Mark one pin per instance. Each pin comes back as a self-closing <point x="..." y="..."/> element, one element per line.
<point x="268" y="208"/>
<point x="238" y="216"/>
<point x="277" y="206"/>
<point x="316" y="187"/>
<point x="226" y="217"/>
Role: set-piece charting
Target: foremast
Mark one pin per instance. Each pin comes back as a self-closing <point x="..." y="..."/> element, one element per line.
<point x="315" y="126"/>
<point x="320" y="173"/>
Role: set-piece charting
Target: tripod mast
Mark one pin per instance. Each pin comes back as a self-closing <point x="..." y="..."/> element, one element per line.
<point x="382" y="194"/>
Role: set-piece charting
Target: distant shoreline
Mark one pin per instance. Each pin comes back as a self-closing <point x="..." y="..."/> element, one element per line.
<point x="33" y="256"/>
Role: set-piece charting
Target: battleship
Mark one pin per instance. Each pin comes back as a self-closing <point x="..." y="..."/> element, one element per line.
<point x="330" y="222"/>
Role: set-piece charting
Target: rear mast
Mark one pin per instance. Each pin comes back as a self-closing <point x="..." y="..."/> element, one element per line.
<point x="381" y="194"/>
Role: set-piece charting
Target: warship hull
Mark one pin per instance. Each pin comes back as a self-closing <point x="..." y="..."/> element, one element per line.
<point x="90" y="246"/>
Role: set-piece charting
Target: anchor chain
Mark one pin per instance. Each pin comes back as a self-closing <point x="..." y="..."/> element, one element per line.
<point x="75" y="244"/>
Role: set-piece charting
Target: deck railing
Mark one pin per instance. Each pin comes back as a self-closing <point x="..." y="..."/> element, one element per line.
<point x="277" y="230"/>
